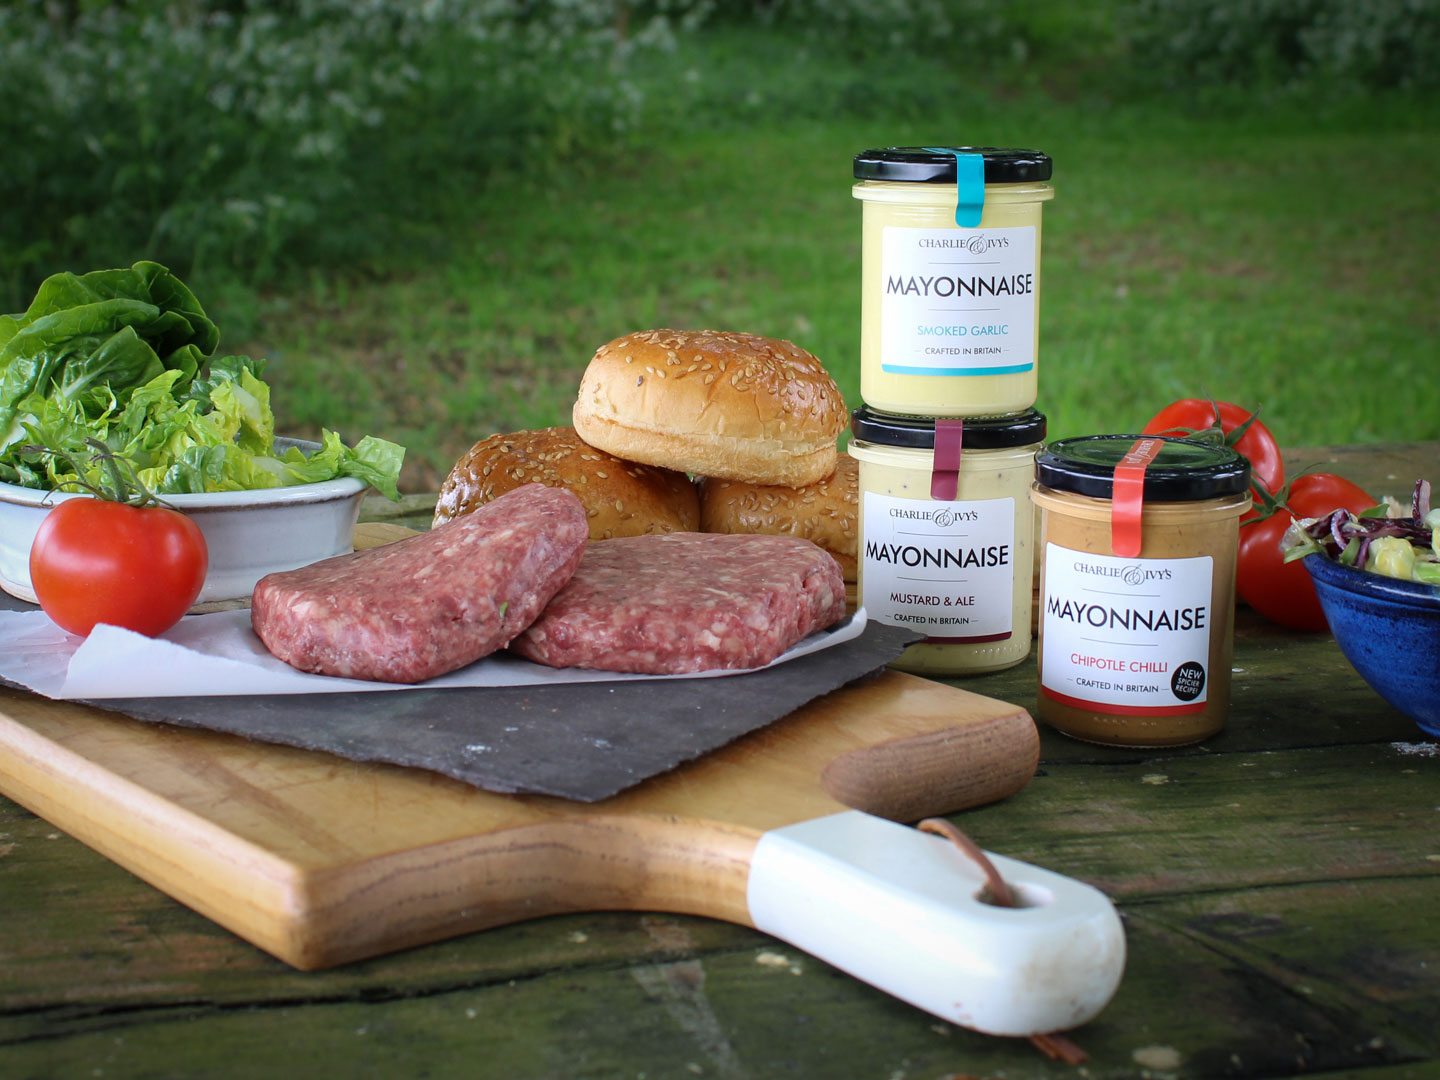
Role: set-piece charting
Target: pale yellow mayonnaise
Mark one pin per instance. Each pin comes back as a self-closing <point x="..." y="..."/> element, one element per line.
<point x="949" y="315"/>
<point x="958" y="570"/>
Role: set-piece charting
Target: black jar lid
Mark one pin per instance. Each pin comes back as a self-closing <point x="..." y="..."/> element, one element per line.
<point x="1184" y="470"/>
<point x="936" y="164"/>
<point x="918" y="432"/>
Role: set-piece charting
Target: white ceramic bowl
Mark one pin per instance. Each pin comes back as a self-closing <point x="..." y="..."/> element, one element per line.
<point x="249" y="533"/>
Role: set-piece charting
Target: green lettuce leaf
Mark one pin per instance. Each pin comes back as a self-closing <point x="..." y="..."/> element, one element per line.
<point x="377" y="462"/>
<point x="178" y="318"/>
<point x="125" y="356"/>
<point x="244" y="403"/>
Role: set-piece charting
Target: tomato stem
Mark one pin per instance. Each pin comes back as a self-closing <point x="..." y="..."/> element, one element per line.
<point x="125" y="483"/>
<point x="107" y="460"/>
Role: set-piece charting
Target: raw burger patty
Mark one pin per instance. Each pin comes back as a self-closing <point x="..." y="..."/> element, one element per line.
<point x="431" y="603"/>
<point x="682" y="602"/>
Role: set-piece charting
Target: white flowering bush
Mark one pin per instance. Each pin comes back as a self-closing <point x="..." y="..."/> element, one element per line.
<point x="253" y="134"/>
<point x="1360" y="44"/>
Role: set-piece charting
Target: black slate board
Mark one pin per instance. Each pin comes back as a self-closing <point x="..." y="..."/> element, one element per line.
<point x="582" y="741"/>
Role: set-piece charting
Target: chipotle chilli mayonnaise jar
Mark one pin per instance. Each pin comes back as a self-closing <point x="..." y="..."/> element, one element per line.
<point x="950" y="269"/>
<point x="1137" y="586"/>
<point x="945" y="534"/>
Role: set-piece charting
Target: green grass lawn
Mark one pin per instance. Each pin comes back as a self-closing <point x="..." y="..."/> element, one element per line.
<point x="1276" y="257"/>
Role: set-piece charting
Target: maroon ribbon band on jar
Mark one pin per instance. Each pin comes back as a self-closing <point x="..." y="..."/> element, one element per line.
<point x="945" y="472"/>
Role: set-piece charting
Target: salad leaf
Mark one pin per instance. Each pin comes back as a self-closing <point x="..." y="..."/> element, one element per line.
<point x="125" y="357"/>
<point x="244" y="404"/>
<point x="1375" y="541"/>
<point x="375" y="461"/>
<point x="178" y="318"/>
<point x="99" y="335"/>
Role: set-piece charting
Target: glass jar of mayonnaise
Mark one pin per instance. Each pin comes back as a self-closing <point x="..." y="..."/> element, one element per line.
<point x="1138" y="538"/>
<point x="945" y="534"/>
<point x="950" y="269"/>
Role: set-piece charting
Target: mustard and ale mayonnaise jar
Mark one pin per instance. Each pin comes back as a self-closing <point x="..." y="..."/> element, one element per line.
<point x="950" y="269"/>
<point x="945" y="534"/>
<point x="1138" y="539"/>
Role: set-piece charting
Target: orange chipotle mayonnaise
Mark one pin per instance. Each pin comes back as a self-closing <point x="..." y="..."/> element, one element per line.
<point x="1137" y="625"/>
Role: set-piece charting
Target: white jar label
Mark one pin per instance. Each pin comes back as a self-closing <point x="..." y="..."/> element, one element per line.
<point x="946" y="569"/>
<point x="957" y="301"/>
<point x="1127" y="636"/>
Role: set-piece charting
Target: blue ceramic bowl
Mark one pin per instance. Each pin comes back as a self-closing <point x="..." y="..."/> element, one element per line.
<point x="1389" y="630"/>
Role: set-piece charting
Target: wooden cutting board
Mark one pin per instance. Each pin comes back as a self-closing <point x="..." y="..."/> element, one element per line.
<point x="321" y="861"/>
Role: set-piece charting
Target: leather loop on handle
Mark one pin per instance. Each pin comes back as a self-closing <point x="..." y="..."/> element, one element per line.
<point x="1127" y="500"/>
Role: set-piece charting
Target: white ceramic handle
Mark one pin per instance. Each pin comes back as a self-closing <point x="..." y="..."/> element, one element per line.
<point x="898" y="908"/>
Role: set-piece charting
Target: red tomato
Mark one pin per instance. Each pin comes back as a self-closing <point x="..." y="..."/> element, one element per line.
<point x="1191" y="415"/>
<point x="1282" y="591"/>
<point x="97" y="561"/>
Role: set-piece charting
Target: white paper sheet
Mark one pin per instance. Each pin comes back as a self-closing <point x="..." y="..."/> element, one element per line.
<point x="219" y="655"/>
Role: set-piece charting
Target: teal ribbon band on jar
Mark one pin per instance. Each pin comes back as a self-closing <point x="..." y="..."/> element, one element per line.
<point x="969" y="185"/>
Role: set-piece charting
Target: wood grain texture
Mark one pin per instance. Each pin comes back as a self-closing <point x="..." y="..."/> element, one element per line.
<point x="320" y="862"/>
<point x="1293" y="933"/>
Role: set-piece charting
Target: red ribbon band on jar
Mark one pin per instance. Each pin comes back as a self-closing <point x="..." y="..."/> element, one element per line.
<point x="945" y="471"/>
<point x="1127" y="497"/>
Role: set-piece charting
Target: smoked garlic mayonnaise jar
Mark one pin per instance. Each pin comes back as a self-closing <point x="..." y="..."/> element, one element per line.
<point x="950" y="268"/>
<point x="1138" y="540"/>
<point x="945" y="535"/>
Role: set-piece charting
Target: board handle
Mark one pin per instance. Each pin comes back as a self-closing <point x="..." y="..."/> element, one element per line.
<point x="965" y="764"/>
<point x="901" y="910"/>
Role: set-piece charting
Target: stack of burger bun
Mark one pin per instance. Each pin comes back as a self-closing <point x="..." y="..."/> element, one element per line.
<point x="754" y="419"/>
<point x="621" y="498"/>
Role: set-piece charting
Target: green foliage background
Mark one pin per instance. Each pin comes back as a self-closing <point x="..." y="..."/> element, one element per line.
<point x="428" y="214"/>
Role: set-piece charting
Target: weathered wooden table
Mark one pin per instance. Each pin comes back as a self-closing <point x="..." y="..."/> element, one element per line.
<point x="1280" y="886"/>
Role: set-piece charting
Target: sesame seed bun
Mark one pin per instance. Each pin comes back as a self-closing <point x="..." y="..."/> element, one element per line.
<point x="824" y="513"/>
<point x="621" y="498"/>
<point x="734" y="406"/>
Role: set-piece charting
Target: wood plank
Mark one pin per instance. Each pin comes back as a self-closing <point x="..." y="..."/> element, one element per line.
<point x="414" y="511"/>
<point x="1201" y="823"/>
<point x="1226" y="984"/>
<point x="1380" y="468"/>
